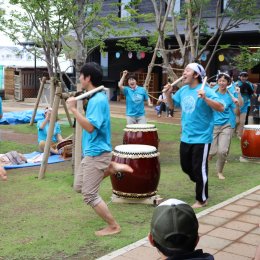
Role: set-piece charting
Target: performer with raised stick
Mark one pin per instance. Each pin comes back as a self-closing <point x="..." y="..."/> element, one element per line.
<point x="223" y="123"/>
<point x="135" y="99"/>
<point x="96" y="146"/>
<point x="197" y="103"/>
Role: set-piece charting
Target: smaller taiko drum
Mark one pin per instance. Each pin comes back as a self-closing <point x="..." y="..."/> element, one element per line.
<point x="250" y="142"/>
<point x="144" y="180"/>
<point x="141" y="134"/>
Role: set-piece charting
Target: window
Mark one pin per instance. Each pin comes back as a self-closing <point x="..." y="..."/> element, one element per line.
<point x="224" y="4"/>
<point x="123" y="8"/>
<point x="104" y="63"/>
<point x="176" y="9"/>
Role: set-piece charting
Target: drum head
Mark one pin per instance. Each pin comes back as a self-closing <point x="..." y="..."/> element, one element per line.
<point x="135" y="149"/>
<point x="140" y="126"/>
<point x="252" y="127"/>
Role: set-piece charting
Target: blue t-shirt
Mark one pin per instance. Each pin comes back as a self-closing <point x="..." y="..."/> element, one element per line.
<point x="135" y="101"/>
<point x="1" y="109"/>
<point x="98" y="114"/>
<point x="197" y="116"/>
<point x="246" y="97"/>
<point x="223" y="118"/>
<point x="42" y="133"/>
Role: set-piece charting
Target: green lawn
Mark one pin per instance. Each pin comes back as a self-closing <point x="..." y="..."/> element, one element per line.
<point x="46" y="219"/>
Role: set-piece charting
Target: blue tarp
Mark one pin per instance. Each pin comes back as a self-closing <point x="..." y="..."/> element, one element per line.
<point x="21" y="117"/>
<point x="51" y="159"/>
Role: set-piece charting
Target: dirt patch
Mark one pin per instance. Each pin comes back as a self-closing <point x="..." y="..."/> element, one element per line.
<point x="10" y="135"/>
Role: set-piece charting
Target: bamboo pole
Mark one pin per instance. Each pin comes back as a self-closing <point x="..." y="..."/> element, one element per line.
<point x="50" y="132"/>
<point x="52" y="91"/>
<point x="78" y="136"/>
<point x="42" y="82"/>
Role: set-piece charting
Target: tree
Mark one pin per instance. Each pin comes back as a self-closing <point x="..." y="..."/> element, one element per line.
<point x="247" y="59"/>
<point x="193" y="32"/>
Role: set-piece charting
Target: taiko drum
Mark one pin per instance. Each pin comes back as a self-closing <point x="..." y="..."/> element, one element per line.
<point x="143" y="182"/>
<point x="141" y="134"/>
<point x="250" y="141"/>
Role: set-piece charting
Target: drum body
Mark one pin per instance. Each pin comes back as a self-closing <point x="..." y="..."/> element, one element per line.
<point x="250" y="141"/>
<point x="141" y="134"/>
<point x="145" y="163"/>
<point x="66" y="147"/>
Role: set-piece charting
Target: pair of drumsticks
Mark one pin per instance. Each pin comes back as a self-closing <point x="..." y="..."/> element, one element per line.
<point x="180" y="79"/>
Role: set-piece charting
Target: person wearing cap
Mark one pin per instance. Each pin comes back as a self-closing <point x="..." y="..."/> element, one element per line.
<point x="135" y="99"/>
<point x="246" y="90"/>
<point x="223" y="123"/>
<point x="197" y="106"/>
<point x="96" y="147"/>
<point x="174" y="231"/>
<point x="43" y="127"/>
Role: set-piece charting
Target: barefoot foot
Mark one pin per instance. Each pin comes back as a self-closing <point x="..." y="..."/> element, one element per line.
<point x="199" y="204"/>
<point x="108" y="231"/>
<point x="221" y="176"/>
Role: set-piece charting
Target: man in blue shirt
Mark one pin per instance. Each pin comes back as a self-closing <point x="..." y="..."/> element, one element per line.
<point x="135" y="98"/>
<point x="96" y="147"/>
<point x="197" y="107"/>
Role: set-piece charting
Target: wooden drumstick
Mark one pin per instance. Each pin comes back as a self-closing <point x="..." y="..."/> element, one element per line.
<point x="89" y="93"/>
<point x="174" y="83"/>
<point x="203" y="84"/>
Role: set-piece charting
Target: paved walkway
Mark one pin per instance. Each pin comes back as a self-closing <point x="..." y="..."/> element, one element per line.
<point x="229" y="231"/>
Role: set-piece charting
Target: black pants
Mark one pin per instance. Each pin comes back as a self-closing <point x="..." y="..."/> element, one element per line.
<point x="194" y="162"/>
<point x="247" y="115"/>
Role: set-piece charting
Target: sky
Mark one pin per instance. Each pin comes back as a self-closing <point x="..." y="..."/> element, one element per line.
<point x="5" y="41"/>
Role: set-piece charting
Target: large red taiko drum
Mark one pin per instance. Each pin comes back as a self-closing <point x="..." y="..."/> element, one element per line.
<point x="145" y="163"/>
<point x="141" y="134"/>
<point x="250" y="142"/>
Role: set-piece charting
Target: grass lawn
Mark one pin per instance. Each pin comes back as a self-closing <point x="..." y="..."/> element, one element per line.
<point x="46" y="219"/>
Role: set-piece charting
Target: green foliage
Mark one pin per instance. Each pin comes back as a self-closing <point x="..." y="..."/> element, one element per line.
<point x="247" y="59"/>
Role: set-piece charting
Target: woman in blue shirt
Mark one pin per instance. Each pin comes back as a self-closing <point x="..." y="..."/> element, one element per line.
<point x="135" y="99"/>
<point x="223" y="122"/>
<point x="43" y="127"/>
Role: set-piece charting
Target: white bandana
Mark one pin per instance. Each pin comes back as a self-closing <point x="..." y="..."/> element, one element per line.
<point x="197" y="68"/>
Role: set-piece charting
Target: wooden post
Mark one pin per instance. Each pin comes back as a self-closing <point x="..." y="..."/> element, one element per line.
<point x="78" y="137"/>
<point x="50" y="132"/>
<point x="52" y="91"/>
<point x="42" y="82"/>
<point x="66" y="111"/>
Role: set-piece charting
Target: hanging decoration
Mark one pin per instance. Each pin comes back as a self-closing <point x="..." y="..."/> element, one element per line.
<point x="142" y="54"/>
<point x="130" y="55"/>
<point x="221" y="57"/>
<point x="159" y="55"/>
<point x="138" y="55"/>
<point x="203" y="56"/>
<point x="118" y="55"/>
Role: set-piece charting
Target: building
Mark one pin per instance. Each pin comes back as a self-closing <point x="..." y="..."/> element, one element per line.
<point x="117" y="59"/>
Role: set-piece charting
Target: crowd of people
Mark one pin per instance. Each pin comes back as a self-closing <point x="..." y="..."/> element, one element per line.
<point x="210" y="115"/>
